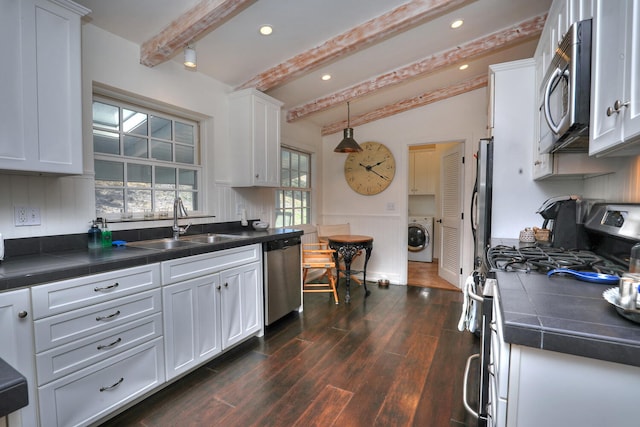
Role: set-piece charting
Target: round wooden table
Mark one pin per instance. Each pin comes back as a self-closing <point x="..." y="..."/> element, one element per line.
<point x="347" y="246"/>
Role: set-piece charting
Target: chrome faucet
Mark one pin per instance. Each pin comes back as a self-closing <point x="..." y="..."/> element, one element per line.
<point x="179" y="210"/>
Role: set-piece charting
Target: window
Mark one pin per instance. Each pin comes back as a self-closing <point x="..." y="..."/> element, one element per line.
<point x="143" y="159"/>
<point x="293" y="199"/>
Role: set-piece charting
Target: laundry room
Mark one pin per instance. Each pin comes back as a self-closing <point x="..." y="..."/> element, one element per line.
<point x="423" y="201"/>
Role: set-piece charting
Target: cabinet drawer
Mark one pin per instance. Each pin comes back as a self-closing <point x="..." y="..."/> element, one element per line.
<point x="67" y="327"/>
<point x="65" y="359"/>
<point x="58" y="297"/>
<point x="93" y="392"/>
<point x="191" y="267"/>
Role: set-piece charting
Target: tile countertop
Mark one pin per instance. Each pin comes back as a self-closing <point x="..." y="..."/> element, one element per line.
<point x="33" y="269"/>
<point x="565" y="315"/>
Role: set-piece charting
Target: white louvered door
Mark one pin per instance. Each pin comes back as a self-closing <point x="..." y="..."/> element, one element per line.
<point x="451" y="214"/>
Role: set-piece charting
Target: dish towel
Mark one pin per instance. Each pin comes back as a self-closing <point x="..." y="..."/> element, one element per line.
<point x="468" y="319"/>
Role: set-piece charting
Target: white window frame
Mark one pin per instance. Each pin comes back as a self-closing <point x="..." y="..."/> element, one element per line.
<point x="197" y="166"/>
<point x="281" y="208"/>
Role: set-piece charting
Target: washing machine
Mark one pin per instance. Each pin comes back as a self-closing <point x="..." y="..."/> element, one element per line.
<point x="421" y="238"/>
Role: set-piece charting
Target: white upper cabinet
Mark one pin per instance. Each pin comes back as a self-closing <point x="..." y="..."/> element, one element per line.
<point x="422" y="168"/>
<point x="615" y="91"/>
<point x="40" y="112"/>
<point x="254" y="131"/>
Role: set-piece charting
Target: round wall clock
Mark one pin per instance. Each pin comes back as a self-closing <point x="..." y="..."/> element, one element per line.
<point x="371" y="170"/>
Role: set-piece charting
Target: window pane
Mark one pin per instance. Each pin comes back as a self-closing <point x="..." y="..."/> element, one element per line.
<point x="109" y="201"/>
<point x="161" y="150"/>
<point x="285" y="178"/>
<point x="288" y="199"/>
<point x="135" y="146"/>
<point x="106" y="116"/>
<point x="286" y="160"/>
<point x="184" y="154"/>
<point x="189" y="200"/>
<point x="294" y="161"/>
<point x="303" y="164"/>
<point x="106" y="142"/>
<point x="187" y="179"/>
<point x="184" y="133"/>
<point x="109" y="174"/>
<point x="138" y="200"/>
<point x="138" y="176"/>
<point x="134" y="122"/>
<point x="164" y="201"/>
<point x="166" y="178"/>
<point x="302" y="180"/>
<point x="160" y="127"/>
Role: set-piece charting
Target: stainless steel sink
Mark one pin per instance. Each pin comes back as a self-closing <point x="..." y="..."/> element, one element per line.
<point x="163" y="244"/>
<point x="213" y="238"/>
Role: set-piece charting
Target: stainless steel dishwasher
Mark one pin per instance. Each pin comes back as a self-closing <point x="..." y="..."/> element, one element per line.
<point x="282" y="284"/>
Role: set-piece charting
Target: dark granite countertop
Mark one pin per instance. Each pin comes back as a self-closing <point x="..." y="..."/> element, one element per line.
<point x="565" y="315"/>
<point x="64" y="260"/>
<point x="13" y="389"/>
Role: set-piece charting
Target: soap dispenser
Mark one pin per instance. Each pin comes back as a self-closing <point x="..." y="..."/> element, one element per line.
<point x="95" y="236"/>
<point x="106" y="234"/>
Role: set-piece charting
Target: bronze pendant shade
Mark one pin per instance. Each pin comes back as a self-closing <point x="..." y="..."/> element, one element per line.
<point x="348" y="144"/>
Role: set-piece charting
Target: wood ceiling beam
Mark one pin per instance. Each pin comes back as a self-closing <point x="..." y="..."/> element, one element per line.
<point x="191" y="25"/>
<point x="353" y="40"/>
<point x="410" y="103"/>
<point x="475" y="48"/>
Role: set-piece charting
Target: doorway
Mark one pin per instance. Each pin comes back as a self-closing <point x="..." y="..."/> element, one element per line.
<point x="425" y="199"/>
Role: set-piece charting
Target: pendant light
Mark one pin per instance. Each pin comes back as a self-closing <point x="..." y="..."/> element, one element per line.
<point x="190" y="57"/>
<point x="348" y="144"/>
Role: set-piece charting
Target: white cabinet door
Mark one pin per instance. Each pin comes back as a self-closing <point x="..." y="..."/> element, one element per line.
<point x="615" y="91"/>
<point x="241" y="303"/>
<point x="192" y="323"/>
<point x="254" y="129"/>
<point x="422" y="166"/>
<point x="16" y="348"/>
<point x="40" y="116"/>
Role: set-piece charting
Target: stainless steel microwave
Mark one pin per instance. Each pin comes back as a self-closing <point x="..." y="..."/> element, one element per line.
<point x="566" y="94"/>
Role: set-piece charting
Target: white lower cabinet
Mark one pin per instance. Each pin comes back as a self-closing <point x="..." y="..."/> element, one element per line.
<point x="192" y="323"/>
<point x="98" y="343"/>
<point x="205" y="315"/>
<point x="241" y="303"/>
<point x="91" y="393"/>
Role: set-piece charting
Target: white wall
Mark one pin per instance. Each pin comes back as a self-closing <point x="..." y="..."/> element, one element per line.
<point x="461" y="118"/>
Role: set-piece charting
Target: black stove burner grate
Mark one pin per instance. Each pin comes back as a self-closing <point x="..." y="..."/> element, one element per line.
<point x="541" y="259"/>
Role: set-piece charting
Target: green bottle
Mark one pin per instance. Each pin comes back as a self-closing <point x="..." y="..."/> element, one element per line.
<point x="106" y="234"/>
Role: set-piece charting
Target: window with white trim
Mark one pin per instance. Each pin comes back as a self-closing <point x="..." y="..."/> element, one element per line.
<point x="293" y="198"/>
<point x="144" y="159"/>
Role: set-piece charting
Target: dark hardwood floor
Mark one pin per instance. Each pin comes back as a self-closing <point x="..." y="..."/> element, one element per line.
<point x="395" y="358"/>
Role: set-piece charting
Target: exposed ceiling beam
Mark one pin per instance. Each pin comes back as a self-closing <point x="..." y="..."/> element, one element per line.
<point x="475" y="48"/>
<point x="409" y="103"/>
<point x="357" y="38"/>
<point x="191" y="25"/>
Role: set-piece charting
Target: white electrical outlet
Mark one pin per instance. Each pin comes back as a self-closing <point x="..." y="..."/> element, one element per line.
<point x="25" y="215"/>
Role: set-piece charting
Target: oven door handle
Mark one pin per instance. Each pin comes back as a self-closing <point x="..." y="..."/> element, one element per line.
<point x="467" y="367"/>
<point x="472" y="294"/>
<point x="555" y="76"/>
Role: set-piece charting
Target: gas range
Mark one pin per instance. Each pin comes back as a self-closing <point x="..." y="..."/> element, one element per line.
<point x="541" y="259"/>
<point x="611" y="230"/>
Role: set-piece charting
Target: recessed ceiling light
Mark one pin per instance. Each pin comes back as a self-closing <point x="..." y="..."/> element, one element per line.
<point x="457" y="23"/>
<point x="266" y="30"/>
<point x="326" y="77"/>
<point x="463" y="67"/>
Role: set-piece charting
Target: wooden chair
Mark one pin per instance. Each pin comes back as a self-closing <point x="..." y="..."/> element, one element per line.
<point x="324" y="231"/>
<point x="318" y="257"/>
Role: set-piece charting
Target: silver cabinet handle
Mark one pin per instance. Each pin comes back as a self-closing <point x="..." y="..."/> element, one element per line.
<point x="99" y="318"/>
<point x="102" y="347"/>
<point x="22" y="314"/>
<point x="106" y="288"/>
<point x="617" y="106"/>
<point x="464" y="386"/>
<point x="109" y="387"/>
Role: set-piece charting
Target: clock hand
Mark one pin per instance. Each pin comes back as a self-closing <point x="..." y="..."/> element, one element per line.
<point x="368" y="168"/>
<point x="381" y="176"/>
<point x="380" y="162"/>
